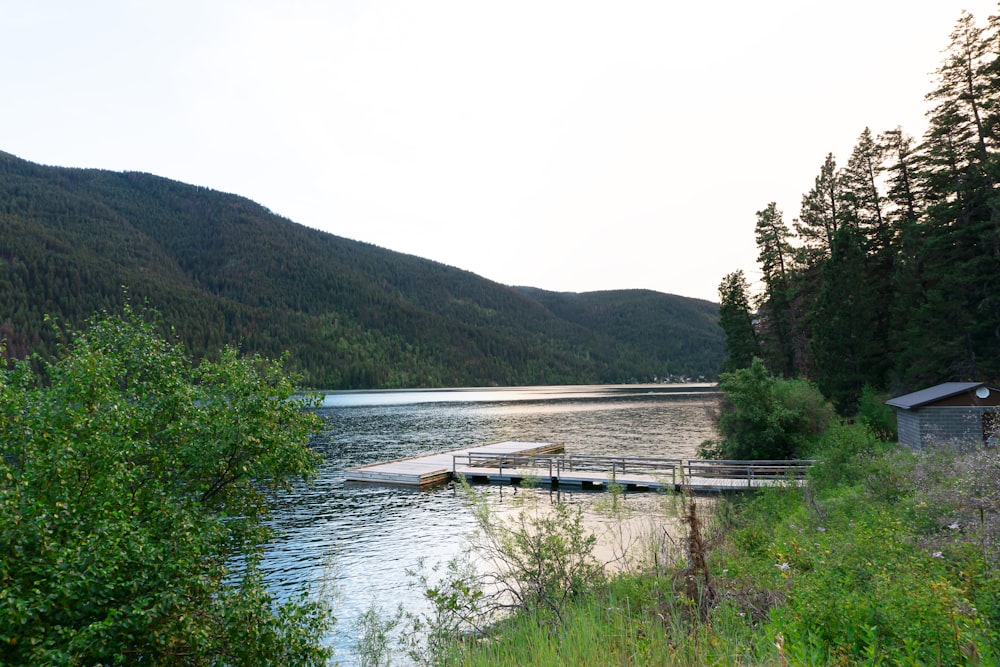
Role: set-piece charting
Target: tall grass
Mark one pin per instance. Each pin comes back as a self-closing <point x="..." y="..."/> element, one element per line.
<point x="622" y="624"/>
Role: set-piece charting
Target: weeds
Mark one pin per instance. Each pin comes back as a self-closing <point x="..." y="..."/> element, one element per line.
<point x="539" y="560"/>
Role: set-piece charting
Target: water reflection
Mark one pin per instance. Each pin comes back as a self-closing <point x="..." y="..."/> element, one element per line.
<point x="363" y="539"/>
<point x="382" y="397"/>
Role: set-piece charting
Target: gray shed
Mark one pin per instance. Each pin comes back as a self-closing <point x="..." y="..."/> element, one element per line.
<point x="964" y="413"/>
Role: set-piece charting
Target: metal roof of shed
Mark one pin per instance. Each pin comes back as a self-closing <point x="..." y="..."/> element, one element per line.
<point x="932" y="394"/>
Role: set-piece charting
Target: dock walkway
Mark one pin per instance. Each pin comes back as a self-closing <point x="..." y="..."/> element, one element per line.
<point x="431" y="469"/>
<point x="516" y="462"/>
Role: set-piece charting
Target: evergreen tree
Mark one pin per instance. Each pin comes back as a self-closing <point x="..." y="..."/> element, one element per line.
<point x="820" y="216"/>
<point x="895" y="276"/>
<point x="736" y="320"/>
<point x="778" y="310"/>
<point x="863" y="203"/>
<point x="954" y="324"/>
<point x="847" y="349"/>
<point x="901" y="166"/>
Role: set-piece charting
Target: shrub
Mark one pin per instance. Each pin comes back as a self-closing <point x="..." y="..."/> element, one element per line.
<point x="130" y="482"/>
<point x="876" y="415"/>
<point x="765" y="417"/>
<point x="541" y="558"/>
<point x="848" y="455"/>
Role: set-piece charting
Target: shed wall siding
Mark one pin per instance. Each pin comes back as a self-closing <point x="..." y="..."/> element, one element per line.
<point x="947" y="425"/>
<point x="908" y="427"/>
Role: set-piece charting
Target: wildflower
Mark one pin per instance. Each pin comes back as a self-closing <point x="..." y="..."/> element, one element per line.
<point x="821" y="529"/>
<point x="953" y="526"/>
<point x="937" y="554"/>
<point x="783" y="566"/>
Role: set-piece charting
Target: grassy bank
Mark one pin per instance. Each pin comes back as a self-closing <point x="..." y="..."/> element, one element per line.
<point x="886" y="557"/>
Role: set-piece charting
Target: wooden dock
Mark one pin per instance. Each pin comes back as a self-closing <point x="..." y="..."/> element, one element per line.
<point x="518" y="463"/>
<point x="437" y="468"/>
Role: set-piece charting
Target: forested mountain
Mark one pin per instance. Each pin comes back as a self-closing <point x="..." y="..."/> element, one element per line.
<point x="221" y="269"/>
<point x="636" y="319"/>
<point x="890" y="276"/>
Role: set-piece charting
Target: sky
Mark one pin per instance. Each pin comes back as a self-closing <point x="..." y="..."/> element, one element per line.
<point x="567" y="145"/>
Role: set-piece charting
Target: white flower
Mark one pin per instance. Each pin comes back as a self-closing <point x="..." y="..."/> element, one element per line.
<point x="953" y="526"/>
<point x="937" y="554"/>
<point x="821" y="529"/>
<point x="783" y="566"/>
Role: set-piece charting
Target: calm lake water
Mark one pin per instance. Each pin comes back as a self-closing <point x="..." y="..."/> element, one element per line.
<point x="357" y="541"/>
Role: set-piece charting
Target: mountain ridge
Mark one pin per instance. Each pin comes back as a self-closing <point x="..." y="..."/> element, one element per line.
<point x="223" y="269"/>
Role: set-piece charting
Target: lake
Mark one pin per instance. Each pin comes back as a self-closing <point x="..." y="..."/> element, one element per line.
<point x="360" y="540"/>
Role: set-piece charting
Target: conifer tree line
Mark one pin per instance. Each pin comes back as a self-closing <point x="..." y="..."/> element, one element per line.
<point x="890" y="275"/>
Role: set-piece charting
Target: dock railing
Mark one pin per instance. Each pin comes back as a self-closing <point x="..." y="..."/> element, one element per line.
<point x="560" y="465"/>
<point x="792" y="469"/>
<point x="622" y="465"/>
<point x="678" y="471"/>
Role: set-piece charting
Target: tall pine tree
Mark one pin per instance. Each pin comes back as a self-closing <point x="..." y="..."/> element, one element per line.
<point x="820" y="216"/>
<point x="847" y="350"/>
<point x="780" y="344"/>
<point x="736" y="320"/>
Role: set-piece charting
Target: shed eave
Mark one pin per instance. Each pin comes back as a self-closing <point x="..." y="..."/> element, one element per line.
<point x="933" y="394"/>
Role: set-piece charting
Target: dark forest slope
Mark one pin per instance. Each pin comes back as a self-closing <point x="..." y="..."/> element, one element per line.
<point x="222" y="269"/>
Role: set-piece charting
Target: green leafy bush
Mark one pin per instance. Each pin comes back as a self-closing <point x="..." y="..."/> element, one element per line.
<point x="766" y="417"/>
<point x="132" y="495"/>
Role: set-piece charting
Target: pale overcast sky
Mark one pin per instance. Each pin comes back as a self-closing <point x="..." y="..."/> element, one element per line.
<point x="571" y="146"/>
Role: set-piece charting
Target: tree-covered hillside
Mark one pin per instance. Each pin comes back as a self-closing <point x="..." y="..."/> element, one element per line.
<point x="221" y="269"/>
<point x="637" y="321"/>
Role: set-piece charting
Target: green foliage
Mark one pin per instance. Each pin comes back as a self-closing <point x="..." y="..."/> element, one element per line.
<point x="621" y="624"/>
<point x="854" y="454"/>
<point x="846" y="571"/>
<point x="847" y="354"/>
<point x="736" y="320"/>
<point x="374" y="631"/>
<point x="544" y="554"/>
<point x="861" y="590"/>
<point x="857" y="575"/>
<point x="875" y="414"/>
<point x="224" y="270"/>
<point x="765" y="417"/>
<point x="132" y="491"/>
<point x="537" y="564"/>
<point x="775" y="307"/>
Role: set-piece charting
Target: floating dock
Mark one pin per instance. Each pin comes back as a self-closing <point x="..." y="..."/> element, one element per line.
<point x="431" y="469"/>
<point x="515" y="462"/>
